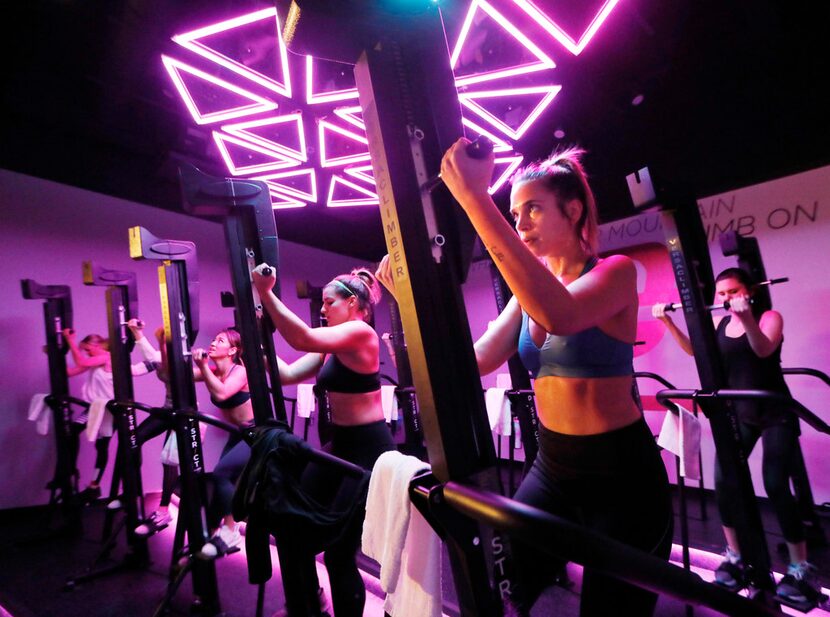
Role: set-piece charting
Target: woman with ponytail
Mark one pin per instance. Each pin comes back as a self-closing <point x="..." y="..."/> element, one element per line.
<point x="345" y="357"/>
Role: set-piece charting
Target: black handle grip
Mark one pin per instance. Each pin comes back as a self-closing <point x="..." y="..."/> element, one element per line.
<point x="480" y="148"/>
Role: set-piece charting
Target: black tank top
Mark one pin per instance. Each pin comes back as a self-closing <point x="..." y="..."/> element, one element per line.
<point x="235" y="400"/>
<point x="337" y="377"/>
<point x="747" y="371"/>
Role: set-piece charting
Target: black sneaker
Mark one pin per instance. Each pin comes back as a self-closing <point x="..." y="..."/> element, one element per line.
<point x="731" y="572"/>
<point x="799" y="586"/>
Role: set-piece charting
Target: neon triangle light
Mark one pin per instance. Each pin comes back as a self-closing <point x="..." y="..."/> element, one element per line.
<point x="323" y="97"/>
<point x="499" y="145"/>
<point x="362" y="172"/>
<point x="299" y="183"/>
<point x="544" y="61"/>
<point x="573" y="46"/>
<point x="324" y="128"/>
<point x="198" y="42"/>
<point x="177" y="71"/>
<point x="270" y="133"/>
<point x="469" y="100"/>
<point x="282" y="202"/>
<point x="352" y="115"/>
<point x="511" y="164"/>
<point x="246" y="157"/>
<point x="350" y="194"/>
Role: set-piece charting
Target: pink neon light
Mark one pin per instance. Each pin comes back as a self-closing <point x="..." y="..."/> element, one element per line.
<point x="272" y="181"/>
<point x="499" y="145"/>
<point x="190" y="40"/>
<point x="513" y="164"/>
<point x="281" y="162"/>
<point x="284" y="203"/>
<point x="545" y="62"/>
<point x="468" y="100"/>
<point x="259" y="103"/>
<point x="322" y="127"/>
<point x="362" y="172"/>
<point x="370" y="200"/>
<point x="242" y="130"/>
<point x="352" y="115"/>
<point x="575" y="47"/>
<point x="327" y="97"/>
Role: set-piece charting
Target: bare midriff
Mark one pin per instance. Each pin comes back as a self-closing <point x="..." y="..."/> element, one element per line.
<point x="354" y="409"/>
<point x="241" y="414"/>
<point x="585" y="406"/>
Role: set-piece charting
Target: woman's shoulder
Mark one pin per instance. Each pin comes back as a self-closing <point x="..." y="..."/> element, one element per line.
<point x="619" y="268"/>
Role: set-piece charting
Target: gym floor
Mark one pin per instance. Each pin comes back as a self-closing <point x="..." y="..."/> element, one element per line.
<point x="33" y="572"/>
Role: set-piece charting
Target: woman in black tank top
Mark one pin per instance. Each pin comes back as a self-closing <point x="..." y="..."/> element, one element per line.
<point x="227" y="382"/>
<point x="345" y="355"/>
<point x="750" y="345"/>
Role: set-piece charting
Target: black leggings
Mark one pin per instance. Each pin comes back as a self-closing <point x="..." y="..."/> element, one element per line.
<point x="361" y="445"/>
<point x="780" y="442"/>
<point x="153" y="426"/>
<point x="232" y="461"/>
<point x="102" y="450"/>
<point x="613" y="483"/>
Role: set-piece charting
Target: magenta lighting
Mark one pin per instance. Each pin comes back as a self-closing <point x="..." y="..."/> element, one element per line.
<point x="542" y="61"/>
<point x="241" y="59"/>
<point x="307" y="141"/>
<point x="573" y="46"/>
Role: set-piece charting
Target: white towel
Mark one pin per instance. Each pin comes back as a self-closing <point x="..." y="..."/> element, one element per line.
<point x="389" y="403"/>
<point x="305" y="400"/>
<point x="170" y="450"/>
<point x="498" y="410"/>
<point x="401" y="541"/>
<point x="40" y="413"/>
<point x="680" y="435"/>
<point x="99" y="422"/>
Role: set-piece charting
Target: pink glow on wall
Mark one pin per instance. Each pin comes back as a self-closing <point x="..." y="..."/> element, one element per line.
<point x="191" y="40"/>
<point x="470" y="101"/>
<point x="323" y="97"/>
<point x="544" y="61"/>
<point x="325" y="129"/>
<point x="246" y="157"/>
<point x="347" y="191"/>
<point x="266" y="132"/>
<point x="256" y="104"/>
<point x="574" y="46"/>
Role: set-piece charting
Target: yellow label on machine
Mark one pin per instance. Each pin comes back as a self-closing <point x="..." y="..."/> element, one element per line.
<point x="165" y="306"/>
<point x="135" y="243"/>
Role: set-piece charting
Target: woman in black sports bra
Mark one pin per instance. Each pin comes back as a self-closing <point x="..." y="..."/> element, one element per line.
<point x="227" y="382"/>
<point x="345" y="356"/>
<point x="750" y="342"/>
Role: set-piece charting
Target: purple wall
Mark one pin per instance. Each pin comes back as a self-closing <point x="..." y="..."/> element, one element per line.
<point x="47" y="230"/>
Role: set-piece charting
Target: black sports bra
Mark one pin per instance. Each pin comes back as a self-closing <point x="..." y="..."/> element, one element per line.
<point x="335" y="376"/>
<point x="232" y="401"/>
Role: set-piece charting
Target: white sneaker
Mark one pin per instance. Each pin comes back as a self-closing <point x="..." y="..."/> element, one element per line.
<point x="154" y="523"/>
<point x="115" y="504"/>
<point x="224" y="541"/>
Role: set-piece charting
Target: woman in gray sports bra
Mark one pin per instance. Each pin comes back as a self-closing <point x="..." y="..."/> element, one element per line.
<point x="598" y="464"/>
